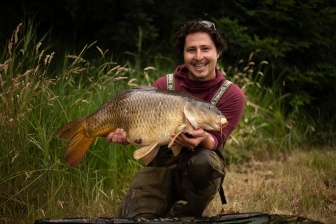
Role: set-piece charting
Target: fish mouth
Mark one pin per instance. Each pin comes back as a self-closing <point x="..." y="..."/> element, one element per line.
<point x="223" y="122"/>
<point x="219" y="125"/>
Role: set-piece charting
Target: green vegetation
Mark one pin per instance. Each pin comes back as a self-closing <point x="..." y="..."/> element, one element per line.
<point x="37" y="97"/>
<point x="34" y="103"/>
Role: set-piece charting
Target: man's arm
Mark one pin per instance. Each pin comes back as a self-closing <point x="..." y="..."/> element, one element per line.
<point x="232" y="106"/>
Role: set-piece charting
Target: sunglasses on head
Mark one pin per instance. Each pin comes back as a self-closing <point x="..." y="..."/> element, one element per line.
<point x="208" y="24"/>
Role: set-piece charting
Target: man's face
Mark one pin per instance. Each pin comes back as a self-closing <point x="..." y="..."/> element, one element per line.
<point x="200" y="56"/>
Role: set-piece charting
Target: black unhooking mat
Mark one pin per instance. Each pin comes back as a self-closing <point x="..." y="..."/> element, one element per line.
<point x="239" y="218"/>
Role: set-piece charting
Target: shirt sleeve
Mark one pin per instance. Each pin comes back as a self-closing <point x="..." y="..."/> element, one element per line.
<point x="232" y="106"/>
<point x="161" y="83"/>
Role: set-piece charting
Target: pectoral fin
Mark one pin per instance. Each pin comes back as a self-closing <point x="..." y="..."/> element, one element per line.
<point x="176" y="149"/>
<point x="179" y="130"/>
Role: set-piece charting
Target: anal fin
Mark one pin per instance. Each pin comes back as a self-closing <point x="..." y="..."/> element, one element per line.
<point x="143" y="151"/>
<point x="150" y="156"/>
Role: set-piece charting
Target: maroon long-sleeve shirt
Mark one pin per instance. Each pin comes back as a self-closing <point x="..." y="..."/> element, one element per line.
<point x="231" y="104"/>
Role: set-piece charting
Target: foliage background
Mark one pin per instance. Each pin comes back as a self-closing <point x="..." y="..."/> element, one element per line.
<point x="67" y="57"/>
<point x="297" y="38"/>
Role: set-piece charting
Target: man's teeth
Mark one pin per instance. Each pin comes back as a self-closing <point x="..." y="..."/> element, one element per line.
<point x="199" y="65"/>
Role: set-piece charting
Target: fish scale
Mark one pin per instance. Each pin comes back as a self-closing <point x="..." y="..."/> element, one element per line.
<point x="149" y="116"/>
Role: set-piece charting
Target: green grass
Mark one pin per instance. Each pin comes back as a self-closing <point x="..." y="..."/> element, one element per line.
<point x="36" y="99"/>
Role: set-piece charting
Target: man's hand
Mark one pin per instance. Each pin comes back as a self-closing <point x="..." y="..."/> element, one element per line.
<point x="194" y="138"/>
<point x="118" y="136"/>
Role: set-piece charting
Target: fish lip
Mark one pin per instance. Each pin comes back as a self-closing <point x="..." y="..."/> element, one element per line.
<point x="223" y="122"/>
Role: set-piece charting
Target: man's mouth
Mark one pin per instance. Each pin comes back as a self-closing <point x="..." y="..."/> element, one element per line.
<point x="199" y="65"/>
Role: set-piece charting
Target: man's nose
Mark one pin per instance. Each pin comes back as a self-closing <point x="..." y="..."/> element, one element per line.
<point x="199" y="55"/>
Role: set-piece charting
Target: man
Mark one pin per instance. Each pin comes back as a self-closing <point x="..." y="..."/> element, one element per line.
<point x="197" y="173"/>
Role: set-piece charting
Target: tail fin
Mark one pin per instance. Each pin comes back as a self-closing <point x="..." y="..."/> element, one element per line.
<point x="69" y="130"/>
<point x="79" y="144"/>
<point x="76" y="149"/>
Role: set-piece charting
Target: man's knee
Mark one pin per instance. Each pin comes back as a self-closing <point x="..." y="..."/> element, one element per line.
<point x="204" y="168"/>
<point x="150" y="194"/>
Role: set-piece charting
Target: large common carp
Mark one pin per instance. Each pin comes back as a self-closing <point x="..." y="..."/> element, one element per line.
<point x="149" y="117"/>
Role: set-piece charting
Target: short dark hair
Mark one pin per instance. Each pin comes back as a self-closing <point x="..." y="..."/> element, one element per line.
<point x="199" y="25"/>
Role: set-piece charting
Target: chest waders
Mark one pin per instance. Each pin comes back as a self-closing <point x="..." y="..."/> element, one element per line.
<point x="193" y="176"/>
<point x="222" y="89"/>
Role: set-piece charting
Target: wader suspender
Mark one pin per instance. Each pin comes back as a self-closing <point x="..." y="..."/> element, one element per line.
<point x="214" y="101"/>
<point x="215" y="98"/>
<point x="220" y="92"/>
<point x="170" y="82"/>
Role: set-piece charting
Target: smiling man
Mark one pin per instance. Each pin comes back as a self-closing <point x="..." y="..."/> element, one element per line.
<point x="197" y="173"/>
<point x="200" y="57"/>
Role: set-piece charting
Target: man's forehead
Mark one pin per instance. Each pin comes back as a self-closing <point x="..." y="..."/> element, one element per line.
<point x="198" y="39"/>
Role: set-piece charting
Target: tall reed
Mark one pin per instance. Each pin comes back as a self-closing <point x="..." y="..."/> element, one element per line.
<point x="265" y="130"/>
<point x="35" y="182"/>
